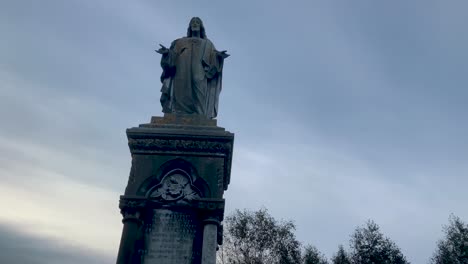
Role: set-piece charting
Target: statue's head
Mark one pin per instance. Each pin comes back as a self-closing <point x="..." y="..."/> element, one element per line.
<point x="196" y="24"/>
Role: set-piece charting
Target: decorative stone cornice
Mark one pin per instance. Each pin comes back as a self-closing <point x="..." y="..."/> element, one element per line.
<point x="132" y="203"/>
<point x="209" y="204"/>
<point x="180" y="141"/>
<point x="211" y="207"/>
<point x="158" y="145"/>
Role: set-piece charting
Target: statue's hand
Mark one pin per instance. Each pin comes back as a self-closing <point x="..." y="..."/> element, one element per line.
<point x="163" y="50"/>
<point x="223" y="54"/>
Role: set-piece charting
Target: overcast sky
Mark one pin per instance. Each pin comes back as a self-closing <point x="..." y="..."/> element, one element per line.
<point x="343" y="111"/>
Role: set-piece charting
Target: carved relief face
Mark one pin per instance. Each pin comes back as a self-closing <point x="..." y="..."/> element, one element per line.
<point x="174" y="187"/>
<point x="195" y="24"/>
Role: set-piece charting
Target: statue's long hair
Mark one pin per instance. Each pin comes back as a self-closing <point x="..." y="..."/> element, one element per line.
<point x="202" y="28"/>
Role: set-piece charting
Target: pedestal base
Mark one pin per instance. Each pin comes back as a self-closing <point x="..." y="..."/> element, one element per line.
<point x="180" y="170"/>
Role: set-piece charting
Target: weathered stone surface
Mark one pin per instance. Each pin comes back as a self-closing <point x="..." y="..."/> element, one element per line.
<point x="209" y="152"/>
<point x="171" y="238"/>
<point x="183" y="119"/>
<point x="173" y="204"/>
<point x="210" y="233"/>
<point x="192" y="73"/>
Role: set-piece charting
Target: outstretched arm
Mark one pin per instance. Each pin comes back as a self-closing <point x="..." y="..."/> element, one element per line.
<point x="163" y="50"/>
<point x="223" y="54"/>
<point x="167" y="61"/>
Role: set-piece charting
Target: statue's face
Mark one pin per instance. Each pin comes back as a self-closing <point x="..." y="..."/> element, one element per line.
<point x="195" y="24"/>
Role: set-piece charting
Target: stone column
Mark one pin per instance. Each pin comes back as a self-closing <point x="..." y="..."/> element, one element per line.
<point x="210" y="234"/>
<point x="131" y="221"/>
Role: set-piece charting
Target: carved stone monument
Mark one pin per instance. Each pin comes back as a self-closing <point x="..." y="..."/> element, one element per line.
<point x="192" y="73"/>
<point x="173" y="204"/>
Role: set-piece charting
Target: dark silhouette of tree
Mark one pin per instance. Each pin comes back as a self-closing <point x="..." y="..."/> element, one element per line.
<point x="255" y="237"/>
<point x="313" y="256"/>
<point x="341" y="257"/>
<point x="453" y="248"/>
<point x="369" y="246"/>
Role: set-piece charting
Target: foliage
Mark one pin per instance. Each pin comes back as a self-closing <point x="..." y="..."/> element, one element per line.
<point x="341" y="257"/>
<point x="255" y="237"/>
<point x="313" y="256"/>
<point x="453" y="249"/>
<point x="369" y="246"/>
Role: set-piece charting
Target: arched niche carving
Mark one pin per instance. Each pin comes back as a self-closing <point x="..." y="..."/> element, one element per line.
<point x="176" y="186"/>
<point x="180" y="167"/>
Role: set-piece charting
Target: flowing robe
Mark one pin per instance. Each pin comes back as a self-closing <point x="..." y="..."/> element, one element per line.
<point x="191" y="78"/>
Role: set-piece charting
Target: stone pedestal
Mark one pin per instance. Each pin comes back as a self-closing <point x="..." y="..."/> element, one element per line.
<point x="173" y="204"/>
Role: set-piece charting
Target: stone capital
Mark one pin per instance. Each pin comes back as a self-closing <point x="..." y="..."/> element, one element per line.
<point x="130" y="216"/>
<point x="211" y="221"/>
<point x="131" y="208"/>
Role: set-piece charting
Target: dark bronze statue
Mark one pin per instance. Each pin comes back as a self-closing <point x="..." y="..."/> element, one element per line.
<point x="192" y="73"/>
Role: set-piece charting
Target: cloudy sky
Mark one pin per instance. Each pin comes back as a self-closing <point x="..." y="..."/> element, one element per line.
<point x="343" y="111"/>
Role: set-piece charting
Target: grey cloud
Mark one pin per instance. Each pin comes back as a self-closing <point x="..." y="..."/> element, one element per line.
<point x="37" y="122"/>
<point x="328" y="192"/>
<point x="382" y="83"/>
<point x="17" y="247"/>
